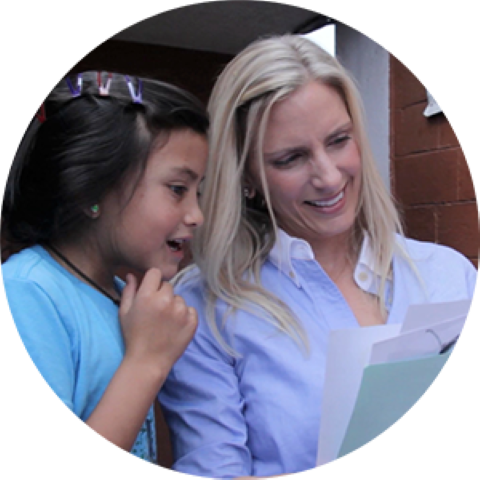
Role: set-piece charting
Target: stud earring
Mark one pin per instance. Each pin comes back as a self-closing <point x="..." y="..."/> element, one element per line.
<point x="248" y="192"/>
<point x="95" y="209"/>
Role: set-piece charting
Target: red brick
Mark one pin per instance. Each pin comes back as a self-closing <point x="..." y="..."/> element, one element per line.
<point x="414" y="132"/>
<point x="458" y="227"/>
<point x="406" y="89"/>
<point x="466" y="189"/>
<point x="427" y="178"/>
<point x="446" y="135"/>
<point x="420" y="223"/>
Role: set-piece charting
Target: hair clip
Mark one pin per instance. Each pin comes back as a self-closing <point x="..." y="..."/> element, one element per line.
<point x="136" y="97"/>
<point x="104" y="88"/>
<point x="75" y="91"/>
<point x="41" y="116"/>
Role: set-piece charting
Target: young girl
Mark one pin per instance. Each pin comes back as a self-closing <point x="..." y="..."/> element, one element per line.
<point x="107" y="177"/>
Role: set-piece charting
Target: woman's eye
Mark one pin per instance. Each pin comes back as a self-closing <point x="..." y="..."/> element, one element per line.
<point x="288" y="161"/>
<point x="338" y="141"/>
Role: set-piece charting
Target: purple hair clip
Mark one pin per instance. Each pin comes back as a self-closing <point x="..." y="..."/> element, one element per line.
<point x="136" y="97"/>
<point x="77" y="90"/>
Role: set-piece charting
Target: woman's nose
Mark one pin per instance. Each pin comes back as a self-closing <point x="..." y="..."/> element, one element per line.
<point x="325" y="172"/>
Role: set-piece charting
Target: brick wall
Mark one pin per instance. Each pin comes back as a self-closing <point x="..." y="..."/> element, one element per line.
<point x="430" y="177"/>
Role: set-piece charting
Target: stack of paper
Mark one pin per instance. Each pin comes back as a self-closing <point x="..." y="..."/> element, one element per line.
<point x="374" y="375"/>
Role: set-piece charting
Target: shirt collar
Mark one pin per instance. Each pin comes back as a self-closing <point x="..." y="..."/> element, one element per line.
<point x="288" y="248"/>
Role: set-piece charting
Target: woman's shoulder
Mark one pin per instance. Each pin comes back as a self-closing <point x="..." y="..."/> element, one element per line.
<point x="189" y="282"/>
<point x="419" y="250"/>
<point x="440" y="265"/>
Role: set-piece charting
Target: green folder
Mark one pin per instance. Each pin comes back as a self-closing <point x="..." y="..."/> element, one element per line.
<point x="387" y="392"/>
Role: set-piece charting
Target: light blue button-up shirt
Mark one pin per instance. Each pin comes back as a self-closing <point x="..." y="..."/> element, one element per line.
<point x="259" y="413"/>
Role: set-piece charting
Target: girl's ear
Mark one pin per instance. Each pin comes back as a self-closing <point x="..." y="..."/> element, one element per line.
<point x="93" y="211"/>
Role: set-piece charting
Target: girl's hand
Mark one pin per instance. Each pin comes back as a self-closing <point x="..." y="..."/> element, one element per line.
<point x="157" y="325"/>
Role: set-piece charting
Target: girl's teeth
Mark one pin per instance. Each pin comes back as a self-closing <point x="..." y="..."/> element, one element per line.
<point x="329" y="203"/>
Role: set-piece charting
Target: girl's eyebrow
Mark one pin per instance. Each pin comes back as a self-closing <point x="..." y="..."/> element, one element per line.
<point x="186" y="171"/>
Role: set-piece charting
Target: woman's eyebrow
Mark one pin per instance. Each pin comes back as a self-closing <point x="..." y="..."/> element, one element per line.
<point x="341" y="129"/>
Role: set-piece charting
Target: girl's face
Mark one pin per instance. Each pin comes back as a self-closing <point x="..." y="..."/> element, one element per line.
<point x="152" y="229"/>
<point x="312" y="164"/>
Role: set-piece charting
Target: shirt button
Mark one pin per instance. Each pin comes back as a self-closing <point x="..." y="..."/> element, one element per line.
<point x="292" y="275"/>
<point x="363" y="277"/>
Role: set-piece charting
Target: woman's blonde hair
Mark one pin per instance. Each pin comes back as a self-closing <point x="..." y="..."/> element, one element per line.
<point x="238" y="234"/>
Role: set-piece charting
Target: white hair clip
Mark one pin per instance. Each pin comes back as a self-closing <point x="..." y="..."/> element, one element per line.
<point x="104" y="88"/>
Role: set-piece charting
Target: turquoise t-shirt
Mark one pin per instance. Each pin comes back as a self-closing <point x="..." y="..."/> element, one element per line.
<point x="72" y="333"/>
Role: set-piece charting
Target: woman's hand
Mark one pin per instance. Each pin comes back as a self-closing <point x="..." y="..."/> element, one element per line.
<point x="157" y="325"/>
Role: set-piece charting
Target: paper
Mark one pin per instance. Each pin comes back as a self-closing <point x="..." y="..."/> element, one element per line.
<point x="348" y="354"/>
<point x="352" y="355"/>
<point x="428" y="314"/>
<point x="417" y="343"/>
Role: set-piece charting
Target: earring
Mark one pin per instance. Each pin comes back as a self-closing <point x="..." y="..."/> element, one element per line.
<point x="248" y="192"/>
<point x="95" y="209"/>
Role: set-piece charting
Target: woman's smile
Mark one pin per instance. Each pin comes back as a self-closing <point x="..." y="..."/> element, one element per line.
<point x="312" y="164"/>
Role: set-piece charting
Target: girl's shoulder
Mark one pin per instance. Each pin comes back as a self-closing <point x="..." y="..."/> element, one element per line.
<point x="34" y="270"/>
<point x="28" y="264"/>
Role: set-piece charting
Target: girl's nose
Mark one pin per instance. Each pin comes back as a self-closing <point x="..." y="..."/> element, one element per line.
<point x="194" y="216"/>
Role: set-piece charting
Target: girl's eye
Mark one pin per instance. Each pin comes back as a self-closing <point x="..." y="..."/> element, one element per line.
<point x="178" y="190"/>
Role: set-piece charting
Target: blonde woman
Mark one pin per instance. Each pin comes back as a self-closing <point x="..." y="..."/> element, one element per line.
<point x="300" y="238"/>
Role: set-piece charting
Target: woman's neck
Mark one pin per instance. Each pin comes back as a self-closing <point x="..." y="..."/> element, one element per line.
<point x="336" y="256"/>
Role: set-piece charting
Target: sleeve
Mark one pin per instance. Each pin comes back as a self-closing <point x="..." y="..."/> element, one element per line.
<point x="203" y="407"/>
<point x="44" y="335"/>
<point x="471" y="277"/>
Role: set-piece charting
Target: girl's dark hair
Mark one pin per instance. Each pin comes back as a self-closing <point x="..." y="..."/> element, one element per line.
<point x="88" y="145"/>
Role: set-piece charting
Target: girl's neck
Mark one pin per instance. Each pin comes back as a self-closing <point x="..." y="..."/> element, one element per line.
<point x="89" y="262"/>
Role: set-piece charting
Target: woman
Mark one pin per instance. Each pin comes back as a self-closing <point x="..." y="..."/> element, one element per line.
<point x="300" y="238"/>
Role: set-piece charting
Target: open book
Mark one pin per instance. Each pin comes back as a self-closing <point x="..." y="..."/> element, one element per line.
<point x="374" y="375"/>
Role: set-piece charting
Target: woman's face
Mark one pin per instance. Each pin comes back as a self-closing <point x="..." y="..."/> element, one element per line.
<point x="312" y="164"/>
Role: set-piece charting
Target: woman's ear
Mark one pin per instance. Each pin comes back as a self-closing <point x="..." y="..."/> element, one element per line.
<point x="249" y="192"/>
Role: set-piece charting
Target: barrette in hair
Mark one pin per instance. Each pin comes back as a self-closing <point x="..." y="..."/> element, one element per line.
<point x="136" y="97"/>
<point x="104" y="88"/>
<point x="77" y="90"/>
<point x="41" y="116"/>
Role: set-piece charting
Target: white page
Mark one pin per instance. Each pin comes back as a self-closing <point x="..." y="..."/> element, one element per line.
<point x="417" y="343"/>
<point x="348" y="354"/>
<point x="427" y="314"/>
